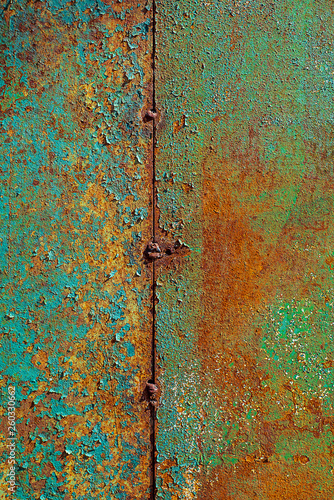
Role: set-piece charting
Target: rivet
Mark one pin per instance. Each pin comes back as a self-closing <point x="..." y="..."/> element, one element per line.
<point x="151" y="388"/>
<point x="153" y="251"/>
<point x="150" y="115"/>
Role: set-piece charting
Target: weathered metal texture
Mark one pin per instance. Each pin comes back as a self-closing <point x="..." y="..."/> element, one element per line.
<point x="245" y="179"/>
<point x="75" y="219"/>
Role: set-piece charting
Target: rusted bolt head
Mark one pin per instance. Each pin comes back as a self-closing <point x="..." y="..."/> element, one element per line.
<point x="153" y="251"/>
<point x="150" y="115"/>
<point x="153" y="247"/>
<point x="151" y="388"/>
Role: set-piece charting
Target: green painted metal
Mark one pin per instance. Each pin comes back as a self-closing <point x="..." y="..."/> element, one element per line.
<point x="245" y="179"/>
<point x="75" y="219"/>
<point x="243" y="309"/>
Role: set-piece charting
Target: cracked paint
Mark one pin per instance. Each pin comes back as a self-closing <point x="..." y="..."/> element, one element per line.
<point x="75" y="218"/>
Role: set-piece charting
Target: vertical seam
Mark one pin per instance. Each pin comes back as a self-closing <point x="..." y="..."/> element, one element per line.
<point x="154" y="234"/>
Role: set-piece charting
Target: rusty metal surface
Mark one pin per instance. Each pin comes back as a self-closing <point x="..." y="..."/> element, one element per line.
<point x="243" y="257"/>
<point x="245" y="319"/>
<point x="75" y="220"/>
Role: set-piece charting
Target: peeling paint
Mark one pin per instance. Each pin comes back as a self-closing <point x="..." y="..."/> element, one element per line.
<point x="75" y="307"/>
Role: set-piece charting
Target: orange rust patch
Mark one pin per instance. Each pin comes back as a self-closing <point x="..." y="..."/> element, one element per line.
<point x="302" y="459"/>
<point x="179" y="124"/>
<point x="232" y="261"/>
<point x="273" y="480"/>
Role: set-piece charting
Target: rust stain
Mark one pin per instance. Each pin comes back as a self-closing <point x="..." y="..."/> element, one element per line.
<point x="179" y="124"/>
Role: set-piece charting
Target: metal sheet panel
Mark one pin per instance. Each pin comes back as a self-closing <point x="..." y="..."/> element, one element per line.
<point x="244" y="214"/>
<point x="75" y="218"/>
<point x="245" y="319"/>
